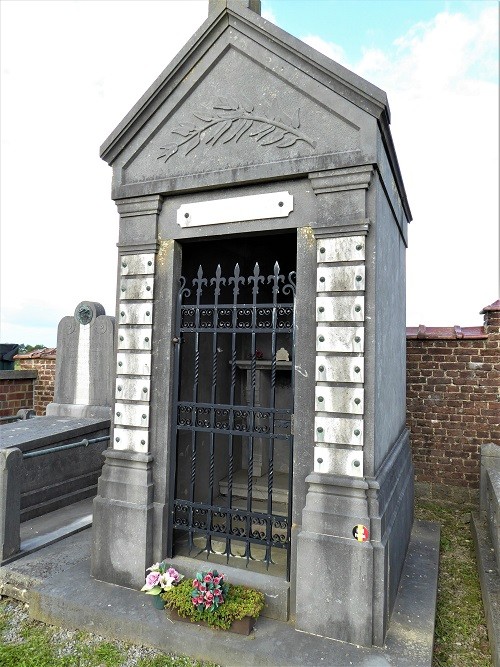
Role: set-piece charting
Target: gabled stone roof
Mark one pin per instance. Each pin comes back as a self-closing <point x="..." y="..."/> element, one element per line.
<point x="332" y="99"/>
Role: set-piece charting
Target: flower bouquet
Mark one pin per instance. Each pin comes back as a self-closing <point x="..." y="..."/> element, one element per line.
<point x="209" y="599"/>
<point x="160" y="578"/>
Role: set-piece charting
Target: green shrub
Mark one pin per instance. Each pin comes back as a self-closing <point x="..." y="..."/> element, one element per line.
<point x="240" y="601"/>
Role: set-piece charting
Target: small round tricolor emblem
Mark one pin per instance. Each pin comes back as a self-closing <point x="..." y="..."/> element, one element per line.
<point x="361" y="533"/>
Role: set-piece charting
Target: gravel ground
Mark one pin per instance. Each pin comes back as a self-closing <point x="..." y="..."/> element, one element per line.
<point x="17" y="616"/>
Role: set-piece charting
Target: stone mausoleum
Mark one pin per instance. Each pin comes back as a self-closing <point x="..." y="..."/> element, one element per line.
<point x="259" y="417"/>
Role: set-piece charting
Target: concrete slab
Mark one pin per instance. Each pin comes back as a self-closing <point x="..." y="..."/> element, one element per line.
<point x="40" y="432"/>
<point x="490" y="582"/>
<point x="62" y="593"/>
<point x="54" y="526"/>
<point x="18" y="579"/>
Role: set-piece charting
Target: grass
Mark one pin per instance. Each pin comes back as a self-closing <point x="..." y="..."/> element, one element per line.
<point x="33" y="644"/>
<point x="460" y="638"/>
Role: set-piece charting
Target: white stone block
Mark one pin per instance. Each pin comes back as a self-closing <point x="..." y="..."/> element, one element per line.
<point x="341" y="249"/>
<point x="344" y="400"/>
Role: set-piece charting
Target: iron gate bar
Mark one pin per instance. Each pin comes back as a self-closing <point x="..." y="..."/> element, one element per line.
<point x="235" y="280"/>
<point x="232" y="410"/>
<point x="235" y="512"/>
<point x="221" y="419"/>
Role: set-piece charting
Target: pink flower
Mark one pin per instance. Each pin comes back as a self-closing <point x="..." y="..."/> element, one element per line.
<point x="209" y="596"/>
<point x="172" y="572"/>
<point x="152" y="580"/>
<point x="218" y="592"/>
<point x="196" y="583"/>
<point x="217" y="580"/>
<point x="208" y="578"/>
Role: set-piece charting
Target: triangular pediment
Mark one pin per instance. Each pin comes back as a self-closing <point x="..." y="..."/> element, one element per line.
<point x="244" y="97"/>
<point x="240" y="114"/>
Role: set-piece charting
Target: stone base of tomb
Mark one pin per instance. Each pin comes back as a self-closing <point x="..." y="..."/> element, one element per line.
<point x="123" y="519"/>
<point x="351" y="550"/>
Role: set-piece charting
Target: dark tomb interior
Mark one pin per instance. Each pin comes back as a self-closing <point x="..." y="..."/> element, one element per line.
<point x="233" y="414"/>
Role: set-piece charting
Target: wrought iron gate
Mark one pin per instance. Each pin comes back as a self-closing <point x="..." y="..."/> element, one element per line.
<point x="233" y="415"/>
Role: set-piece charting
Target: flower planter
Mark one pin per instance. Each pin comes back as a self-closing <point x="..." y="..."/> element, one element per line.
<point x="157" y="602"/>
<point x="241" y="627"/>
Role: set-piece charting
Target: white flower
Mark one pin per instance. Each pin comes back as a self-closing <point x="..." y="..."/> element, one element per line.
<point x="166" y="581"/>
<point x="154" y="568"/>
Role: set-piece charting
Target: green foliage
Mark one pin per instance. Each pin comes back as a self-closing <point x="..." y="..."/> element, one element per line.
<point x="172" y="661"/>
<point x="460" y="635"/>
<point x="239" y="602"/>
<point x="38" y="649"/>
<point x="34" y="644"/>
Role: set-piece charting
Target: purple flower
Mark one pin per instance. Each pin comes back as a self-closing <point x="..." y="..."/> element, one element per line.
<point x="152" y="580"/>
<point x="172" y="572"/>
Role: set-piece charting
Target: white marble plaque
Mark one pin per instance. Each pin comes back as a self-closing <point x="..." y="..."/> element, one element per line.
<point x="127" y="414"/>
<point x="136" y="288"/>
<point x="135" y="313"/>
<point x="338" y="461"/>
<point x="341" y="249"/>
<point x="341" y="430"/>
<point x="339" y="369"/>
<point x="344" y="400"/>
<point x="235" y="209"/>
<point x="137" y="264"/>
<point x="130" y="439"/>
<point x="340" y="339"/>
<point x="340" y="308"/>
<point x="340" y="278"/>
<point x="133" y="389"/>
<point x="133" y="363"/>
<point x="134" y="338"/>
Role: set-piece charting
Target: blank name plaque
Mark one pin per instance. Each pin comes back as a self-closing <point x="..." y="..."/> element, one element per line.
<point x="236" y="209"/>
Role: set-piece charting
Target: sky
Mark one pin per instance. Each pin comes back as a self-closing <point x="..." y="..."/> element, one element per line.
<point x="71" y="70"/>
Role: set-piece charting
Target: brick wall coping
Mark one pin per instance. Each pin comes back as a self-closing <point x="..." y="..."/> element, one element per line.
<point x="18" y="375"/>
<point x="46" y="353"/>
<point x="493" y="307"/>
<point x="446" y="333"/>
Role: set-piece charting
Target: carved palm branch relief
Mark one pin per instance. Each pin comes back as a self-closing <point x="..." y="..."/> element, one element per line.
<point x="228" y="121"/>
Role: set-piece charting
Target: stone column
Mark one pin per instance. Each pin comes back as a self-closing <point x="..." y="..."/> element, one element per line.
<point x="123" y="508"/>
<point x="349" y="506"/>
<point x="11" y="461"/>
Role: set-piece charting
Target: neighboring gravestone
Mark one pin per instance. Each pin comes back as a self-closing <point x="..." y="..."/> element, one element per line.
<point x="85" y="364"/>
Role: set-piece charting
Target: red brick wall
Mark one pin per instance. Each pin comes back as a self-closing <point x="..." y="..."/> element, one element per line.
<point x="453" y="400"/>
<point x="44" y="363"/>
<point x="15" y="392"/>
<point x="453" y="379"/>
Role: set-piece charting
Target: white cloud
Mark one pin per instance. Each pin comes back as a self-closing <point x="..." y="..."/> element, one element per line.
<point x="70" y="73"/>
<point x="329" y="49"/>
<point x="66" y="86"/>
<point x="441" y="80"/>
<point x="269" y="16"/>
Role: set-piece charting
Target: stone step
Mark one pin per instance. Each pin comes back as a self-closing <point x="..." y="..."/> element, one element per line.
<point x="259" y="487"/>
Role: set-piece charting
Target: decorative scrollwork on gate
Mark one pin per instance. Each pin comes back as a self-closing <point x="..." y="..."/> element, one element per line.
<point x="227" y="419"/>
